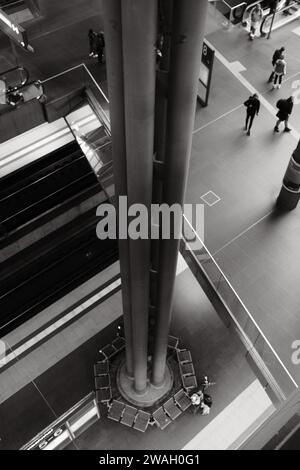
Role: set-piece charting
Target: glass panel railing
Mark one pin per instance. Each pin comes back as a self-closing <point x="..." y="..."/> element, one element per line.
<point x="257" y="345"/>
<point x="67" y="427"/>
<point x="76" y="96"/>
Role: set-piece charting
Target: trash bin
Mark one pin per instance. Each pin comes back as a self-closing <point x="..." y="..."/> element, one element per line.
<point x="290" y="191"/>
<point x="289" y="196"/>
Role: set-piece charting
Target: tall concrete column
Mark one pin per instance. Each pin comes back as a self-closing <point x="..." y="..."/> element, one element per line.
<point x="165" y="28"/>
<point x="114" y="66"/>
<point x="187" y="39"/>
<point x="139" y="22"/>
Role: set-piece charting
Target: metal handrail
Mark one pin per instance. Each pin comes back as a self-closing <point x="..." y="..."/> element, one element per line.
<point x="269" y="15"/>
<point x="34" y="204"/>
<point x="63" y="418"/>
<point x="232" y="9"/>
<point x="21" y="68"/>
<point x="211" y="258"/>
<point x="236" y="6"/>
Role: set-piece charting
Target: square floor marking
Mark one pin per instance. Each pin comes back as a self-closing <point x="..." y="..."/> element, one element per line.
<point x="210" y="198"/>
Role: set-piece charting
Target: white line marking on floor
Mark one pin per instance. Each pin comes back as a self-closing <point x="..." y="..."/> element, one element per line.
<point x="207" y="196"/>
<point x="249" y="409"/>
<point x="250" y="87"/>
<point x="241" y="105"/>
<point x="290" y="77"/>
<point x="243" y="232"/>
<point x="238" y="66"/>
<point x="217" y="119"/>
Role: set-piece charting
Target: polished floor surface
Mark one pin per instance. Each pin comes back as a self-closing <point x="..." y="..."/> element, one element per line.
<point x="256" y="247"/>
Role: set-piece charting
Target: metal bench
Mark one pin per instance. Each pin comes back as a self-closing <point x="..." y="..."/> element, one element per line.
<point x="172" y="409"/>
<point x="116" y="410"/>
<point x="141" y="421"/>
<point x="101" y="368"/>
<point x="103" y="395"/>
<point x="189" y="382"/>
<point x="161" y="418"/>
<point x="186" y="368"/>
<point x="182" y="400"/>
<point x="184" y="355"/>
<point x="109" y="350"/>
<point x="173" y="342"/>
<point x="119" y="343"/>
<point x="128" y="416"/>
<point x="102" y="381"/>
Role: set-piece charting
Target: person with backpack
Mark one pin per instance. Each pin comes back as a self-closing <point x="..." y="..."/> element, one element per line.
<point x="279" y="72"/>
<point x="201" y="403"/>
<point x="285" y="108"/>
<point x="277" y="55"/>
<point x="253" y="107"/>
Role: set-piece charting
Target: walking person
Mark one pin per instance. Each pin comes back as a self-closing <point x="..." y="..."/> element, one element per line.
<point x="279" y="53"/>
<point x="279" y="72"/>
<point x="253" y="106"/>
<point x="100" y="45"/>
<point x="92" y="42"/>
<point x="285" y="108"/>
<point x="255" y="20"/>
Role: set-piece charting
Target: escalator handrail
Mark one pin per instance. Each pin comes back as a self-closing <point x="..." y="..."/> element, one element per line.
<point x="25" y="81"/>
<point x="269" y="15"/>
<point x="39" y="180"/>
<point x="266" y="11"/>
<point x="15" y="214"/>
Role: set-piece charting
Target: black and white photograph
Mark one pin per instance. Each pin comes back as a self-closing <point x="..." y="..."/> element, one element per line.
<point x="149" y="228"/>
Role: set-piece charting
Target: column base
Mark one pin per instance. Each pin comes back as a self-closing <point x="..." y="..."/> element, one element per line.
<point x="150" y="396"/>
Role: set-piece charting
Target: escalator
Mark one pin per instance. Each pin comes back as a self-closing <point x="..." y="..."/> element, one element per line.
<point x="63" y="262"/>
<point x="59" y="262"/>
<point x="44" y="187"/>
<point x="239" y="11"/>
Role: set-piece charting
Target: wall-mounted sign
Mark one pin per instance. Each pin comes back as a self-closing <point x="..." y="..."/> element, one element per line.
<point x="13" y="30"/>
<point x="205" y="74"/>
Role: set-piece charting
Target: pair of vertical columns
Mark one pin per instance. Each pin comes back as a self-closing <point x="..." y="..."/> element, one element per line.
<point x="131" y="34"/>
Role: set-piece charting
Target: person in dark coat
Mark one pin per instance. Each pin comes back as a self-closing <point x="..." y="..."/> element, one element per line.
<point x="285" y="108"/>
<point x="278" y="54"/>
<point x="92" y="42"/>
<point x="100" y="44"/>
<point x="253" y="107"/>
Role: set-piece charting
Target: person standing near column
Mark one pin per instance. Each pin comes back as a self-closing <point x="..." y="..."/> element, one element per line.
<point x="253" y="107"/>
<point x="100" y="44"/>
<point x="255" y="20"/>
<point x="92" y="42"/>
<point x="279" y="72"/>
<point x="285" y="108"/>
<point x="277" y="55"/>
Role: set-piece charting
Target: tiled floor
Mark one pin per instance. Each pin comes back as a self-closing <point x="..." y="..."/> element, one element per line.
<point x="255" y="246"/>
<point x="263" y="264"/>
